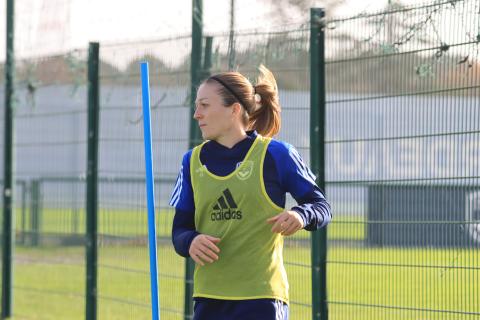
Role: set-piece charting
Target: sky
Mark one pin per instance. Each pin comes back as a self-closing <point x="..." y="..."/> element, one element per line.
<point x="45" y="27"/>
<point x="49" y="25"/>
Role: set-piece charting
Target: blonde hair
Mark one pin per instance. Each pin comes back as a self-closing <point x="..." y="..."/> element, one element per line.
<point x="262" y="116"/>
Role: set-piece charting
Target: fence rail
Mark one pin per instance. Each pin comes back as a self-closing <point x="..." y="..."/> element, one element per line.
<point x="386" y="114"/>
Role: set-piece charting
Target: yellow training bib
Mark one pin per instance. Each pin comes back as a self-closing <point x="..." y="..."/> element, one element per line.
<point x="235" y="208"/>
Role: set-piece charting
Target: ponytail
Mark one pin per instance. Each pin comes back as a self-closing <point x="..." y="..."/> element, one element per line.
<point x="260" y="102"/>
<point x="266" y="117"/>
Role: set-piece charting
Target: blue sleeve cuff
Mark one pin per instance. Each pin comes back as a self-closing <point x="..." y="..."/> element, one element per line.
<point x="315" y="215"/>
<point x="302" y="215"/>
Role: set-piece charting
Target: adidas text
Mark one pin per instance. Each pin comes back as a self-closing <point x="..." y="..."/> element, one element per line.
<point x="227" y="214"/>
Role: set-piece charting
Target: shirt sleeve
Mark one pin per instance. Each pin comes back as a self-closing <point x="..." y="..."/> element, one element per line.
<point x="297" y="179"/>
<point x="183" y="228"/>
<point x="182" y="195"/>
<point x="183" y="231"/>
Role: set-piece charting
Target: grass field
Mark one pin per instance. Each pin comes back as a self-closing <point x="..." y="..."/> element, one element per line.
<point x="49" y="283"/>
<point x="363" y="283"/>
<point x="134" y="223"/>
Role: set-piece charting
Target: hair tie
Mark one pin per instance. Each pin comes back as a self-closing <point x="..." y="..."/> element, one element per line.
<point x="229" y="90"/>
<point x="257" y="98"/>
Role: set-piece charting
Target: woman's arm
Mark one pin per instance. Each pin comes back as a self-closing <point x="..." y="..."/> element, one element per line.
<point x="183" y="231"/>
<point x="297" y="179"/>
<point x="186" y="240"/>
<point x="183" y="228"/>
<point x="314" y="210"/>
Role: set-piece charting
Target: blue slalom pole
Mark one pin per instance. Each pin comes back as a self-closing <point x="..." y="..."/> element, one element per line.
<point x="152" y="233"/>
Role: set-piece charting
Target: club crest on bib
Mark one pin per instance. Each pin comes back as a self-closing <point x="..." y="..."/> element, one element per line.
<point x="201" y="171"/>
<point x="246" y="169"/>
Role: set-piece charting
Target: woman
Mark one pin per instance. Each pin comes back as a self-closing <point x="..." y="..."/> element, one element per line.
<point x="230" y="198"/>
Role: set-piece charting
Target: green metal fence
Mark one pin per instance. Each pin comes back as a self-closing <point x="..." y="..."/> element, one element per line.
<point x="401" y="112"/>
<point x="286" y="54"/>
<point x="122" y="216"/>
<point x="403" y="140"/>
<point x="123" y="256"/>
<point x="50" y="146"/>
<point x="2" y="129"/>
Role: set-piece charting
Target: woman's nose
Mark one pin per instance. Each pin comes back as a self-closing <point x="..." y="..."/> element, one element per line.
<point x="196" y="114"/>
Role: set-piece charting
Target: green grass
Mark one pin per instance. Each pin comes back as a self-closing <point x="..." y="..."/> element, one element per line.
<point x="49" y="282"/>
<point x="110" y="221"/>
<point x="134" y="223"/>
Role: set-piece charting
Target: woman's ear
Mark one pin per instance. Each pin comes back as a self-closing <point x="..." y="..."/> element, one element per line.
<point x="236" y="109"/>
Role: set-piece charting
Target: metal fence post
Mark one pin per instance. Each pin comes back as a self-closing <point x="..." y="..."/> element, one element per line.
<point x="75" y="211"/>
<point x="196" y="65"/>
<point x="23" y="183"/>
<point x="35" y="208"/>
<point x="207" y="58"/>
<point x="8" y="180"/>
<point x="194" y="134"/>
<point x="92" y="182"/>
<point x="317" y="158"/>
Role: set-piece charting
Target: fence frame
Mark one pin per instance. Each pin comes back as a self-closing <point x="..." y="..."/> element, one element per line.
<point x="317" y="158"/>
<point x="92" y="182"/>
<point x="8" y="173"/>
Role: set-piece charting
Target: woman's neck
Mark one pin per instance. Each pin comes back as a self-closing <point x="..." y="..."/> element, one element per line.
<point x="232" y="138"/>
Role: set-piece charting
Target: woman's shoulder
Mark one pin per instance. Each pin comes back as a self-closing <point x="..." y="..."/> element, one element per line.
<point x="188" y="155"/>
<point x="278" y="148"/>
<point x="285" y="155"/>
<point x="186" y="158"/>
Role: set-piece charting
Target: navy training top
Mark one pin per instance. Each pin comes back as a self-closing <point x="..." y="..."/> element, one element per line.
<point x="283" y="171"/>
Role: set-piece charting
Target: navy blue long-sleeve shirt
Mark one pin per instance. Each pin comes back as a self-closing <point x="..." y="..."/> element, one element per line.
<point x="284" y="171"/>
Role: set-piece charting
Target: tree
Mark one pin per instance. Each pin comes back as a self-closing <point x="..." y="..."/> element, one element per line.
<point x="284" y="8"/>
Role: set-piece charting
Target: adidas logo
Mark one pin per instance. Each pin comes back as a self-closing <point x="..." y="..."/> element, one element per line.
<point x="225" y="208"/>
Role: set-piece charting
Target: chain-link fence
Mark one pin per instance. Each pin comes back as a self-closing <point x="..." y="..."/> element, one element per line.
<point x="403" y="143"/>
<point x="401" y="151"/>
<point x="50" y="161"/>
<point x="123" y="257"/>
<point x="286" y="54"/>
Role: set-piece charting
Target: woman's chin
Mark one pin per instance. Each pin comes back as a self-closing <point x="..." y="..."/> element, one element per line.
<point x="206" y="136"/>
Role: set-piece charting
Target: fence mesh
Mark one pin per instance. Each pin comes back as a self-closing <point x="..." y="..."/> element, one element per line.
<point x="402" y="168"/>
<point x="124" y="286"/>
<point x="402" y="162"/>
<point x="50" y="144"/>
<point x="285" y="53"/>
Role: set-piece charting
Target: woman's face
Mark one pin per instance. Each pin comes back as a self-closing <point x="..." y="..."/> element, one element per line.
<point x="214" y="119"/>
